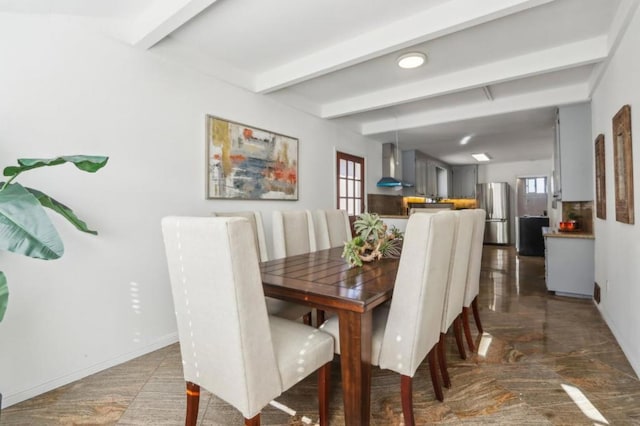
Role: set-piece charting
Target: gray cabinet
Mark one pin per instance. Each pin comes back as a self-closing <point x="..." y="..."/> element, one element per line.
<point x="464" y="180"/>
<point x="414" y="171"/>
<point x="432" y="179"/>
<point x="569" y="265"/>
<point x="572" y="178"/>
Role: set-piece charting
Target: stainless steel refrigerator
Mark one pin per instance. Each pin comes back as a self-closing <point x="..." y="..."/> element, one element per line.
<point x="494" y="199"/>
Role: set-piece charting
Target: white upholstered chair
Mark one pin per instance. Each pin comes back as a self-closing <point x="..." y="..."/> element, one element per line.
<point x="408" y="331"/>
<point x="229" y="345"/>
<point x="454" y="296"/>
<point x="276" y="307"/>
<point x="331" y="227"/>
<point x="473" y="278"/>
<point x="293" y="233"/>
<point x="255" y="219"/>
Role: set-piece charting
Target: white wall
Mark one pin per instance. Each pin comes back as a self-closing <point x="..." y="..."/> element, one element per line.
<point x="617" y="269"/>
<point x="67" y="90"/>
<point x="509" y="172"/>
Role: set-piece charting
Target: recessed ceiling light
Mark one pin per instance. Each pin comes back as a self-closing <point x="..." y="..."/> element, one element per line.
<point x="481" y="157"/>
<point x="411" y="60"/>
<point x="465" y="140"/>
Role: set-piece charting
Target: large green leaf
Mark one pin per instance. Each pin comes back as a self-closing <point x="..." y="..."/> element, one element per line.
<point x="87" y="163"/>
<point x="25" y="227"/>
<point x="4" y="294"/>
<point x="61" y="209"/>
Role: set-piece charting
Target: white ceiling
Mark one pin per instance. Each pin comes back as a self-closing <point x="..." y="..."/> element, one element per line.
<point x="496" y="69"/>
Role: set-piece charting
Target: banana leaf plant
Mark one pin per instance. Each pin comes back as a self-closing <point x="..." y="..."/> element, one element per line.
<point x="25" y="227"/>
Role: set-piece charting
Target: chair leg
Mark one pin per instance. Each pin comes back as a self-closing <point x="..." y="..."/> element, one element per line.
<point x="442" y="346"/>
<point x="307" y="318"/>
<point x="433" y="369"/>
<point x="253" y="421"/>
<point x="319" y="317"/>
<point x="324" y="376"/>
<point x="476" y="314"/>
<point x="406" y="394"/>
<point x="457" y="329"/>
<point x="467" y="330"/>
<point x="193" y="401"/>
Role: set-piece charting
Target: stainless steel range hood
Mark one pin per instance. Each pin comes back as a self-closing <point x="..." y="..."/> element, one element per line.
<point x="389" y="179"/>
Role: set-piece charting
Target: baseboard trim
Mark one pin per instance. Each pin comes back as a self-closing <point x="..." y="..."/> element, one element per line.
<point x="635" y="363"/>
<point x="12" y="399"/>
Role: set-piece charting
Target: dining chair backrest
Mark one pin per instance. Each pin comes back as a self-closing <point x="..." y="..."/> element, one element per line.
<point x="475" y="258"/>
<point x="413" y="325"/>
<point x="332" y="228"/>
<point x="223" y="327"/>
<point x="293" y="233"/>
<point x="255" y="219"/>
<point x="454" y="298"/>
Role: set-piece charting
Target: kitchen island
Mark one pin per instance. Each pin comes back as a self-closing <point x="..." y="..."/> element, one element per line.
<point x="398" y="221"/>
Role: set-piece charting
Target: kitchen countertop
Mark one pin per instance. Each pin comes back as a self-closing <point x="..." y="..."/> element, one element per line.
<point x="554" y="233"/>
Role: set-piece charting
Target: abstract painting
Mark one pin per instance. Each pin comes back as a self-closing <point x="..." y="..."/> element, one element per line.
<point x="248" y="163"/>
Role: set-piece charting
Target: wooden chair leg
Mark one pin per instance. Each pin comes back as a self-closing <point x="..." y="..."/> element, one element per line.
<point x="433" y="369"/>
<point x="253" y="421"/>
<point x="319" y="317"/>
<point x="442" y="346"/>
<point x="406" y="394"/>
<point x="467" y="330"/>
<point x="476" y="314"/>
<point x="193" y="401"/>
<point x="457" y="329"/>
<point x="307" y="318"/>
<point x="324" y="376"/>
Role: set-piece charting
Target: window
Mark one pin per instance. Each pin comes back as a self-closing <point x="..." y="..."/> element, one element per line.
<point x="350" y="183"/>
<point x="535" y="185"/>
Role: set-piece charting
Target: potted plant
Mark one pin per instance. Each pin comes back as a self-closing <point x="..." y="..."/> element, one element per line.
<point x="372" y="241"/>
<point x="25" y="227"/>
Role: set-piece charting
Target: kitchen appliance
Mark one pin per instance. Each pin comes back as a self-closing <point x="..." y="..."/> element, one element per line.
<point x="389" y="161"/>
<point x="494" y="199"/>
<point x="530" y="241"/>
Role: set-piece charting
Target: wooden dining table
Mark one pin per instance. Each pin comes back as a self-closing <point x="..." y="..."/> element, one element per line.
<point x="324" y="280"/>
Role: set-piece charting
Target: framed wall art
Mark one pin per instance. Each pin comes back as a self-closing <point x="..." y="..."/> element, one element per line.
<point x="248" y="163"/>
<point x="623" y="165"/>
<point x="601" y="186"/>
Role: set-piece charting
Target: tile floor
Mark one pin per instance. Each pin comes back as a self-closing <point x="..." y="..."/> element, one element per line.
<point x="545" y="360"/>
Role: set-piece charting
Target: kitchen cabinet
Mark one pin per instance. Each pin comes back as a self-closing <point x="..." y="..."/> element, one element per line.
<point x="432" y="179"/>
<point x="414" y="171"/>
<point x="572" y="178"/>
<point x="569" y="264"/>
<point x="464" y="180"/>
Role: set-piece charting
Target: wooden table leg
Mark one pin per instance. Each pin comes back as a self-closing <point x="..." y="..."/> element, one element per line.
<point x="355" y="362"/>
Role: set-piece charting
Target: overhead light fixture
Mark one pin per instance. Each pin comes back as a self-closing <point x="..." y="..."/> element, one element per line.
<point x="481" y="156"/>
<point x="465" y="140"/>
<point x="411" y="60"/>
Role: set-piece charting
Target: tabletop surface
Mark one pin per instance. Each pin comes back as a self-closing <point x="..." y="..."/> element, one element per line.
<point x="323" y="278"/>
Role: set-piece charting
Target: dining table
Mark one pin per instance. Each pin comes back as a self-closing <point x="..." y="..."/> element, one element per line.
<point x="324" y="280"/>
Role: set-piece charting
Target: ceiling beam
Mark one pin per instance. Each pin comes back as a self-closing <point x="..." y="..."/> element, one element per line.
<point x="533" y="100"/>
<point x="554" y="59"/>
<point x="162" y="18"/>
<point x="438" y="21"/>
<point x="622" y="19"/>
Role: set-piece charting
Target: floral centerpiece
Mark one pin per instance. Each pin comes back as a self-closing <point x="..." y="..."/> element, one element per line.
<point x="373" y="241"/>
